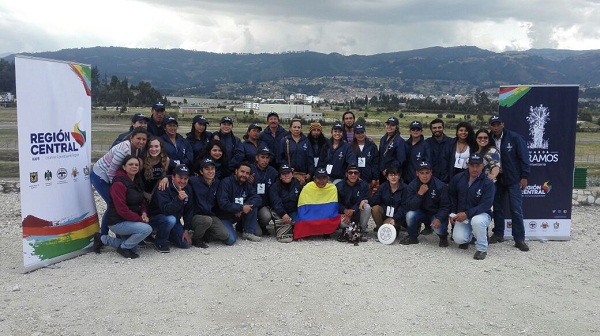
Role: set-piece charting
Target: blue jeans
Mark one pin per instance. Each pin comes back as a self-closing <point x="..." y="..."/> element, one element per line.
<point x="129" y="235"/>
<point x="103" y="189"/>
<point x="477" y="226"/>
<point x="414" y="220"/>
<point x="515" y="200"/>
<point x="167" y="228"/>
<point x="249" y="222"/>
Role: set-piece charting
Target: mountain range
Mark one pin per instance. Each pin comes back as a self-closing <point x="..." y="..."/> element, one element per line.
<point x="435" y="69"/>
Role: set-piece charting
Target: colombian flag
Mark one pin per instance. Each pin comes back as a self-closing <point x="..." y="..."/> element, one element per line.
<point x="317" y="211"/>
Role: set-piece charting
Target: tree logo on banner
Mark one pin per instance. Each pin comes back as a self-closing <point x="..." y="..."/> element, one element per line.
<point x="537" y="118"/>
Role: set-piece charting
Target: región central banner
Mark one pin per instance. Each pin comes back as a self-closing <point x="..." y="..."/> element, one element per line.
<point x="54" y="122"/>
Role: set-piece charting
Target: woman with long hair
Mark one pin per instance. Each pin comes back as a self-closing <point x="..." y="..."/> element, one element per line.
<point x="367" y="156"/>
<point x="296" y="151"/>
<point x="215" y="151"/>
<point x="464" y="145"/>
<point x="155" y="165"/>
<point x="336" y="155"/>
<point x="199" y="137"/>
<point x="490" y="154"/>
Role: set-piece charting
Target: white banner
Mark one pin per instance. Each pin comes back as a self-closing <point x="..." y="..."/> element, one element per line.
<point x="54" y="121"/>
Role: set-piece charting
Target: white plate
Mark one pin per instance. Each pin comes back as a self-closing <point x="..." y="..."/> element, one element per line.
<point x="386" y="234"/>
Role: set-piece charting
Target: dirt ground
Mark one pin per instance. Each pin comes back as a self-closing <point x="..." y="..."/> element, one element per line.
<point x="311" y="287"/>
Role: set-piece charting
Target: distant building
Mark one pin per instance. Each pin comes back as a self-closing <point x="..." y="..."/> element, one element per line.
<point x="301" y="97"/>
<point x="288" y="111"/>
<point x="193" y="109"/>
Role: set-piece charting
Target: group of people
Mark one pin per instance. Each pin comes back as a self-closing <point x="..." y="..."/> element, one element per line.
<point x="161" y="187"/>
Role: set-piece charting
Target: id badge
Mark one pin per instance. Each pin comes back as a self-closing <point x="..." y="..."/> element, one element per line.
<point x="316" y="161"/>
<point x="329" y="168"/>
<point x="389" y="211"/>
<point x="362" y="162"/>
<point x="177" y="162"/>
<point x="239" y="200"/>
<point x="260" y="188"/>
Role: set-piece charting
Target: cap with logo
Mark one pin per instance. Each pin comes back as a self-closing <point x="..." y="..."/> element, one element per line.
<point x="138" y="116"/>
<point x="171" y="120"/>
<point x="200" y="119"/>
<point x="181" y="170"/>
<point x="321" y="172"/>
<point x="254" y="126"/>
<point x="359" y="128"/>
<point x="495" y="118"/>
<point x="158" y="106"/>
<point x="392" y="120"/>
<point x="424" y="165"/>
<point x="337" y="125"/>
<point x="475" y="159"/>
<point x="264" y="151"/>
<point x="285" y="169"/>
<point x="226" y="120"/>
<point x="207" y="162"/>
<point x="416" y="124"/>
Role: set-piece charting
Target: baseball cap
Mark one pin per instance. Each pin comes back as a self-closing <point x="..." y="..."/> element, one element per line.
<point x="416" y="124"/>
<point x="352" y="167"/>
<point x="321" y="172"/>
<point x="158" y="106"/>
<point x="181" y="170"/>
<point x="226" y="120"/>
<point x="207" y="162"/>
<point x="495" y="118"/>
<point x="475" y="159"/>
<point x="264" y="151"/>
<point x="285" y="169"/>
<point x="392" y="120"/>
<point x="171" y="120"/>
<point x="359" y="128"/>
<point x="424" y="165"/>
<point x="138" y="116"/>
<point x="200" y="119"/>
<point x="254" y="126"/>
<point x="337" y="126"/>
<point x="272" y="114"/>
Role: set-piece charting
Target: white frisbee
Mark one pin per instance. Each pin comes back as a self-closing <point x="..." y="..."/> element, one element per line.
<point x="386" y="234"/>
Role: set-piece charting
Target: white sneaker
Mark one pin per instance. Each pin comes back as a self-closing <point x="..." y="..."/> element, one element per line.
<point x="251" y="237"/>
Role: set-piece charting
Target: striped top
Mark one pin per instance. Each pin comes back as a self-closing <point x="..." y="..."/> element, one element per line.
<point x="107" y="165"/>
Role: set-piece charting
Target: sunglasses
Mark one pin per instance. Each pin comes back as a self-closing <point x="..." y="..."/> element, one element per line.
<point x="353" y="172"/>
<point x="482" y="138"/>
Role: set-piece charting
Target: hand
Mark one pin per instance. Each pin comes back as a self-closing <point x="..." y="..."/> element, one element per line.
<point x="436" y="223"/>
<point x="423" y="189"/>
<point x="348" y="213"/>
<point x="162" y="184"/>
<point x="182" y="194"/>
<point x="251" y="178"/>
<point x="286" y="219"/>
<point x="346" y="219"/>
<point x="145" y="218"/>
<point x="523" y="183"/>
<point x="247" y="208"/>
<point x="216" y="137"/>
<point x="363" y="204"/>
<point x="461" y="217"/>
<point x="186" y="237"/>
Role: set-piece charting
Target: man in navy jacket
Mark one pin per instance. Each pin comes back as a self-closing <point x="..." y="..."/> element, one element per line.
<point x="471" y="195"/>
<point x="427" y="203"/>
<point x="168" y="206"/>
<point x="514" y="171"/>
<point x="351" y="192"/>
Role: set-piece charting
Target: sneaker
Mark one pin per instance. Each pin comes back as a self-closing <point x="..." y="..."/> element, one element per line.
<point x="341" y="238"/>
<point x="149" y="239"/>
<point x="443" y="241"/>
<point x="199" y="243"/>
<point x="364" y="239"/>
<point x="463" y="246"/>
<point x="126" y="253"/>
<point x="142" y="244"/>
<point x="162" y="248"/>
<point x="251" y="237"/>
<point x="521" y="245"/>
<point x="479" y="255"/>
<point x="265" y="232"/>
<point x="409" y="240"/>
<point x="495" y="239"/>
<point x="134" y="255"/>
<point x="97" y="242"/>
<point x="427" y="230"/>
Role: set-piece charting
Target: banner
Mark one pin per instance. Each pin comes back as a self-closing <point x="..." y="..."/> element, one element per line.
<point x="546" y="117"/>
<point x="58" y="210"/>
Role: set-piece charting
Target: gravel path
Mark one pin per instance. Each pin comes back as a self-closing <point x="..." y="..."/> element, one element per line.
<point x="312" y="287"/>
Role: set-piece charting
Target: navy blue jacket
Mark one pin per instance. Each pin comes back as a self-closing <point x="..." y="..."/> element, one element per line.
<point x="248" y="150"/>
<point x="441" y="157"/>
<point x="268" y="177"/>
<point x="370" y="152"/>
<point x="349" y="197"/>
<point x="205" y="196"/>
<point x="300" y="154"/>
<point x="391" y="153"/>
<point x="340" y="158"/>
<point x="415" y="155"/>
<point x="167" y="202"/>
<point x="198" y="146"/>
<point x="229" y="190"/>
<point x="155" y="129"/>
<point x="273" y="141"/>
<point x="435" y="202"/>
<point x="122" y="137"/>
<point x="232" y="148"/>
<point x="384" y="198"/>
<point x="180" y="151"/>
<point x="284" y="197"/>
<point x="473" y="200"/>
<point x="514" y="158"/>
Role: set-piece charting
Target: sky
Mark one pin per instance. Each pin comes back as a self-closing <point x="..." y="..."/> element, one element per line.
<point x="363" y="27"/>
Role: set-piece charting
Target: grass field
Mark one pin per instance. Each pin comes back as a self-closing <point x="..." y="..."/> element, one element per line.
<point x="107" y="124"/>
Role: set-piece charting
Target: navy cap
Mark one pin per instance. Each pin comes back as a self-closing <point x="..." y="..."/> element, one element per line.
<point x="285" y="169"/>
<point x="200" y="119"/>
<point x="181" y="170"/>
<point x="138" y="116"/>
<point x="495" y="118"/>
<point x="393" y="121"/>
<point x="272" y="114"/>
<point x="207" y="162"/>
<point x="321" y="172"/>
<point x="352" y="167"/>
<point x="254" y="126"/>
<point x="416" y="124"/>
<point x="264" y="151"/>
<point x="359" y="128"/>
<point x="337" y="125"/>
<point x="475" y="159"/>
<point x="158" y="106"/>
<point x="424" y="165"/>
<point x="171" y="120"/>
<point x="226" y="120"/>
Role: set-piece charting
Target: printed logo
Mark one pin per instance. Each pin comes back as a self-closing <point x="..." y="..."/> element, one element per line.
<point x="48" y="175"/>
<point x="556" y="225"/>
<point x="537" y="118"/>
<point x="74" y="172"/>
<point x="62" y="173"/>
<point x="33" y="177"/>
<point x="86" y="171"/>
<point x="478" y="193"/>
<point x="545" y="226"/>
<point x="536" y="190"/>
<point x="546" y="187"/>
<point x="532" y="225"/>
